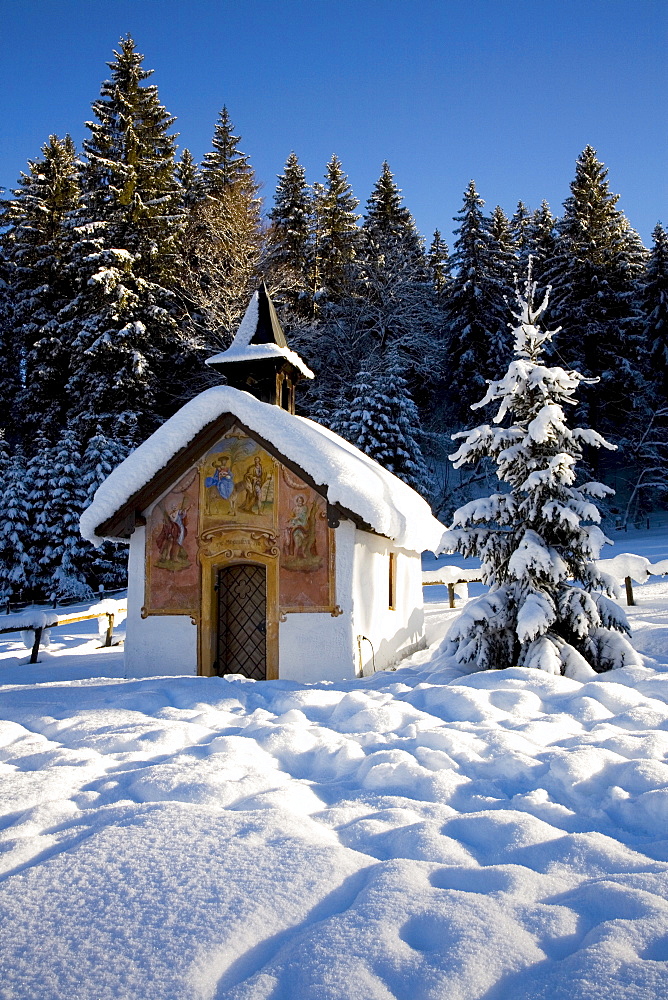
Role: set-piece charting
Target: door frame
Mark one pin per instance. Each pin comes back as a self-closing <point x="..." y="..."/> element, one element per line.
<point x="208" y="625"/>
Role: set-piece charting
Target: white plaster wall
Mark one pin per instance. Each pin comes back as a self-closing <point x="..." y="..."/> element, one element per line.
<point x="392" y="632"/>
<point x="315" y="646"/>
<point x="159" y="644"/>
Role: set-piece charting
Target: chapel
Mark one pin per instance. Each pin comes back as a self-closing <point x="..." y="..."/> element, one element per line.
<point x="261" y="543"/>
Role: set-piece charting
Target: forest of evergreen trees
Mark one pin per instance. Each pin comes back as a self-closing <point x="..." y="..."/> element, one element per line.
<point x="123" y="267"/>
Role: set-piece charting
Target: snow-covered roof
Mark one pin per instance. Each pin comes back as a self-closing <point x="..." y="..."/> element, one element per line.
<point x="352" y="479"/>
<point x="243" y="348"/>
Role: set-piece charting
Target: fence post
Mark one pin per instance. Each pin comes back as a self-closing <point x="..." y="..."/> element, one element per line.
<point x="451" y="594"/>
<point x="629" y="591"/>
<point x="35" y="645"/>
<point x="110" y="629"/>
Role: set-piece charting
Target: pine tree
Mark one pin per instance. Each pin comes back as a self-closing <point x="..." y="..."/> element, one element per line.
<point x="394" y="284"/>
<point x="225" y="166"/>
<point x="35" y="242"/>
<point x="438" y="262"/>
<point x="187" y="175"/>
<point x="107" y="566"/>
<point x="15" y="561"/>
<point x="221" y="246"/>
<point x="593" y="274"/>
<point x="471" y="314"/>
<point x="39" y="484"/>
<point x="289" y="251"/>
<point x="383" y="422"/>
<point x="548" y="606"/>
<point x="336" y="235"/>
<point x="128" y="343"/>
<point x="504" y="263"/>
<point x="654" y="311"/>
<point x="520" y="229"/>
<point x="66" y="554"/>
<point x="541" y="241"/>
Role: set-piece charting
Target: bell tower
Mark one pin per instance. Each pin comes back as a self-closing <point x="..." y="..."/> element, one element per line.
<point x="259" y="360"/>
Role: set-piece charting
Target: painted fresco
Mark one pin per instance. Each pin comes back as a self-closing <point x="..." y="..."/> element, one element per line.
<point x="172" y="570"/>
<point x="238" y="483"/>
<point x="305" y="548"/>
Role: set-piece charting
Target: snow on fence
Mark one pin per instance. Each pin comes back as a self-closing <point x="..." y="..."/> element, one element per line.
<point x="456" y="579"/>
<point x="624" y="568"/>
<point x="40" y="622"/>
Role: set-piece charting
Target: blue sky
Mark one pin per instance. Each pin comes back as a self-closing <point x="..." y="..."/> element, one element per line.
<point x="507" y="92"/>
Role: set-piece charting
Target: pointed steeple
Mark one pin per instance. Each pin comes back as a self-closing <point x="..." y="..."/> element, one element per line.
<point x="259" y="360"/>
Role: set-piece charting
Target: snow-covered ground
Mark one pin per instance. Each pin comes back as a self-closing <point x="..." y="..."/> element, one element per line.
<point x="423" y="833"/>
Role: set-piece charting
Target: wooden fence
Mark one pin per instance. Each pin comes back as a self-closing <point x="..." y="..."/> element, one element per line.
<point x="53" y="620"/>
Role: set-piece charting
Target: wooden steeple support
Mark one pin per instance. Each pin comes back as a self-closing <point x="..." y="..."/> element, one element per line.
<point x="259" y="360"/>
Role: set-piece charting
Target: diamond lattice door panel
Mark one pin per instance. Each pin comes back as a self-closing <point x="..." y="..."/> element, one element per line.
<point x="242" y="621"/>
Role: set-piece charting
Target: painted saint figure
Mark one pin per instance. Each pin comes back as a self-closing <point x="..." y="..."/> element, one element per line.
<point x="172" y="554"/>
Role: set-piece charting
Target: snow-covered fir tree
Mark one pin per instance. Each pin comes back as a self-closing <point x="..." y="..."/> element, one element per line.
<point x="107" y="565"/>
<point x="394" y="285"/>
<point x="336" y="234"/>
<point x="35" y="242"/>
<point x="548" y="605"/>
<point x="472" y="308"/>
<point x="224" y="166"/>
<point x="222" y="242"/>
<point x="39" y="486"/>
<point x="289" y="258"/>
<point x="504" y="263"/>
<point x="597" y="262"/>
<point x="654" y="311"/>
<point x="15" y="561"/>
<point x="438" y="263"/>
<point x="65" y="553"/>
<point x="382" y="420"/>
<point x="124" y="320"/>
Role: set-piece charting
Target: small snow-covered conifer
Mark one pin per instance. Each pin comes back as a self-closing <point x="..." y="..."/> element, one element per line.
<point x="15" y="561"/>
<point x="548" y="605"/>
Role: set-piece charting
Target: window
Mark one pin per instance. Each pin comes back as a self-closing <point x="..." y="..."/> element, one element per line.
<point x="392" y="581"/>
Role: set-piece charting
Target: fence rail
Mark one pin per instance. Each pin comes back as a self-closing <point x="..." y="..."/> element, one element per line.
<point x="52" y="620"/>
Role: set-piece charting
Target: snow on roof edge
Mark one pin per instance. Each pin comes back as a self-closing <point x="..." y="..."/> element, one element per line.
<point x="252" y="352"/>
<point x="352" y="479"/>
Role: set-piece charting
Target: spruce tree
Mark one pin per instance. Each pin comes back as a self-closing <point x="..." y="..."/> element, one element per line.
<point x="654" y="313"/>
<point x="336" y="236"/>
<point x="598" y="259"/>
<point x="128" y="342"/>
<point x="221" y="246"/>
<point x="225" y="166"/>
<point x="471" y="311"/>
<point x="383" y="421"/>
<point x="289" y="251"/>
<point x="35" y="242"/>
<point x="520" y="229"/>
<point x="394" y="283"/>
<point x="438" y="263"/>
<point x="65" y="554"/>
<point x="39" y="484"/>
<point x="15" y="561"/>
<point x="504" y="263"/>
<point x="548" y="606"/>
<point x="107" y="565"/>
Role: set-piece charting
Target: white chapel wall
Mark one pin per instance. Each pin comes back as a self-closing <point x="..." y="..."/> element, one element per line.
<point x="315" y="646"/>
<point x="393" y="633"/>
<point x="158" y="644"/>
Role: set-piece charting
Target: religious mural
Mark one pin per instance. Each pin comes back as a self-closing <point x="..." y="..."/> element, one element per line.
<point x="239" y="503"/>
<point x="172" y="570"/>
<point x="305" y="549"/>
<point x="238" y="482"/>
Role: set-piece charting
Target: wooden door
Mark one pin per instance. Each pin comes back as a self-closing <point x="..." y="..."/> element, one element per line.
<point x="242" y="620"/>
